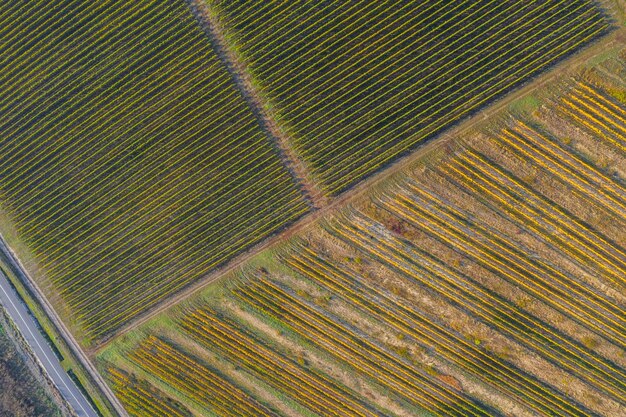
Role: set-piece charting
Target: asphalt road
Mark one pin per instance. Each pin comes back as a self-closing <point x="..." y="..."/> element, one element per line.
<point x="25" y="322"/>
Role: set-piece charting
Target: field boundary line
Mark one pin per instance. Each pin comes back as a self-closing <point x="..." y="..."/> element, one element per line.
<point x="563" y="68"/>
<point x="236" y="67"/>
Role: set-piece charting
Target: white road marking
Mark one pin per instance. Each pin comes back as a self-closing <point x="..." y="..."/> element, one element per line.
<point x="52" y="364"/>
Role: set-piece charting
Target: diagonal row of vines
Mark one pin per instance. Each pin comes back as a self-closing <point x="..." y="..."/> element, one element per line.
<point x="356" y="84"/>
<point x="488" y="281"/>
<point x="130" y="163"/>
<point x="141" y="399"/>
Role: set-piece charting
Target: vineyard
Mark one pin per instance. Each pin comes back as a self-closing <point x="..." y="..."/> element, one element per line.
<point x="140" y="399"/>
<point x="194" y="380"/>
<point x="130" y="163"/>
<point x="356" y="84"/>
<point x="179" y="179"/>
<point x="488" y="281"/>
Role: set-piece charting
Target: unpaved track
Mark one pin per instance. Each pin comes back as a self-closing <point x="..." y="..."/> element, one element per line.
<point x="568" y="66"/>
<point x="327" y="207"/>
<point x="243" y="81"/>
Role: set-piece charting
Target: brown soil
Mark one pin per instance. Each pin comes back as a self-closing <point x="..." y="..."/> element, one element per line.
<point x="237" y="68"/>
<point x="423" y="153"/>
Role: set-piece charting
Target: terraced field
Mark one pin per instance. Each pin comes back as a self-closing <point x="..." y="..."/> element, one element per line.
<point x="130" y="164"/>
<point x="488" y="279"/>
<point x="356" y="84"/>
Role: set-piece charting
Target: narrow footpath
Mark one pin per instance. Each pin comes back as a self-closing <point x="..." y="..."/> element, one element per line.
<point x="237" y="69"/>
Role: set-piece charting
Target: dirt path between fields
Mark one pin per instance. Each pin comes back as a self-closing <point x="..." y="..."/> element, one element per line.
<point x="242" y="79"/>
<point x="568" y="66"/>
